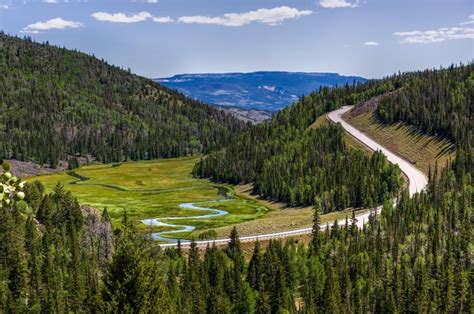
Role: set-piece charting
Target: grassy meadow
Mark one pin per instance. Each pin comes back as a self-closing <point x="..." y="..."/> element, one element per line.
<point x="153" y="189"/>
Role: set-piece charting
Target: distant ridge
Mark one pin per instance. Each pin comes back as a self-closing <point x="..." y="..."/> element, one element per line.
<point x="262" y="90"/>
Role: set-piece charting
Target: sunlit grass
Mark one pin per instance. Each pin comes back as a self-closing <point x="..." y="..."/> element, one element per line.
<point x="422" y="150"/>
<point x="153" y="189"/>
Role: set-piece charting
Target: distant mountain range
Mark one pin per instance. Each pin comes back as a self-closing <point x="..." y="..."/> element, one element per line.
<point x="264" y="91"/>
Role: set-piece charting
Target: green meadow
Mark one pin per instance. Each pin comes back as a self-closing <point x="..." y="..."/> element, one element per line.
<point x="153" y="189"/>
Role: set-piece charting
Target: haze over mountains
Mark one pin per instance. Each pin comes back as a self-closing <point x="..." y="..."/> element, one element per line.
<point x="265" y="90"/>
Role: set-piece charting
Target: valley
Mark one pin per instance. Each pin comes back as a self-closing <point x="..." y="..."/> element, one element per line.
<point x="260" y="192"/>
<point x="164" y="199"/>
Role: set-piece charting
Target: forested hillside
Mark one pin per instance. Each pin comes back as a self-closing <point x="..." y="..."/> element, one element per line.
<point x="288" y="162"/>
<point x="56" y="103"/>
<point x="436" y="102"/>
<point x="413" y="258"/>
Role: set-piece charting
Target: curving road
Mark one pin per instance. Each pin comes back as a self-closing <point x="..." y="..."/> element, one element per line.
<point x="417" y="182"/>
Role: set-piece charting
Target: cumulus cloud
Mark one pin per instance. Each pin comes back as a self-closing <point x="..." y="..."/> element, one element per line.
<point x="471" y="20"/>
<point x="265" y="16"/>
<point x="336" y="4"/>
<point x="121" y="17"/>
<point x="371" y="43"/>
<point x="56" y="23"/>
<point x="438" y="35"/>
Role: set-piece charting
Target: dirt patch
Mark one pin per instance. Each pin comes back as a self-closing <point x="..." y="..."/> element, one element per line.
<point x="369" y="105"/>
<point x="25" y="169"/>
<point x="253" y="116"/>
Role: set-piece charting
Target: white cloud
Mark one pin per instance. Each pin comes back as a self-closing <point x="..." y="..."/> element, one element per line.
<point x="199" y="19"/>
<point x="4" y="6"/>
<point x="57" y="23"/>
<point x="371" y="43"/>
<point x="50" y="1"/>
<point x="131" y="18"/>
<point x="265" y="16"/>
<point x="336" y="4"/>
<point x="438" y="35"/>
<point x="152" y="1"/>
<point x="162" y="19"/>
<point x="121" y="17"/>
<point x="471" y="20"/>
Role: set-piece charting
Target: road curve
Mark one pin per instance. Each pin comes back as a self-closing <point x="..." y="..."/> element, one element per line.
<point x="417" y="182"/>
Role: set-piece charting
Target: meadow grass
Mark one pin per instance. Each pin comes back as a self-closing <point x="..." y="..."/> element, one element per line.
<point x="152" y="189"/>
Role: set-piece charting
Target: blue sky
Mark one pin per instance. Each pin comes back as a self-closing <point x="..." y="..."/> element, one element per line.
<point x="158" y="38"/>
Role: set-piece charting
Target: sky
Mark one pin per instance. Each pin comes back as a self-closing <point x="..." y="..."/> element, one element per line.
<point x="160" y="38"/>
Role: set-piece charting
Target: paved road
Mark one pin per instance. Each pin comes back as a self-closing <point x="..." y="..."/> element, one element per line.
<point x="417" y="182"/>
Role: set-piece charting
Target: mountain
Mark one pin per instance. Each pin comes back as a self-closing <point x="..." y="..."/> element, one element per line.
<point x="57" y="103"/>
<point x="268" y="91"/>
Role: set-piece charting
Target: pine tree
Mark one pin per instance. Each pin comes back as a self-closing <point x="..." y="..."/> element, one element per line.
<point x="255" y="268"/>
<point x="33" y="247"/>
<point x="316" y="232"/>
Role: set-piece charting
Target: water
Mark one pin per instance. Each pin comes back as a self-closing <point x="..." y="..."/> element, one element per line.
<point x="165" y="221"/>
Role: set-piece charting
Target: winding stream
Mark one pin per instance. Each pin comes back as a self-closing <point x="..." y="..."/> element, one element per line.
<point x="160" y="222"/>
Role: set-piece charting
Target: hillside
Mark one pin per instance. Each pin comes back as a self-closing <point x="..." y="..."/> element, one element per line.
<point x="435" y="102"/>
<point x="439" y="103"/>
<point x="264" y="90"/>
<point x="424" y="151"/>
<point x="56" y="103"/>
<point x="425" y="120"/>
<point x="287" y="162"/>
